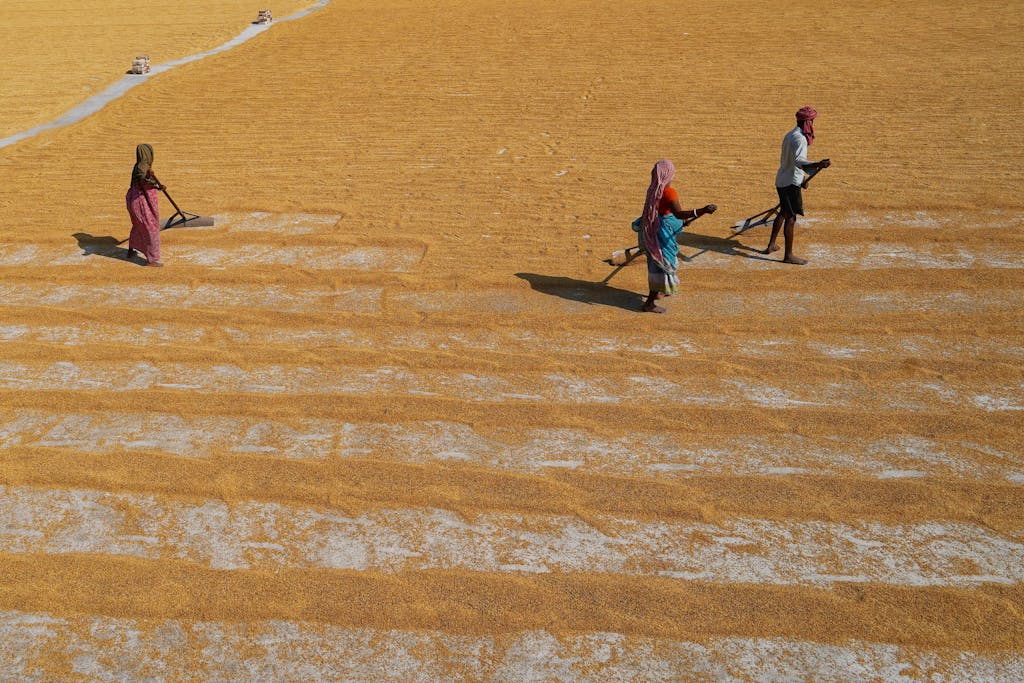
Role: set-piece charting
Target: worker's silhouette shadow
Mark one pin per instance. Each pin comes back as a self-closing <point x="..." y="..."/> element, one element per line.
<point x="722" y="245"/>
<point x="594" y="293"/>
<point x="107" y="245"/>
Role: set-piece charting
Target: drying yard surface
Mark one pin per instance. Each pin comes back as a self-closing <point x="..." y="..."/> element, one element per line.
<point x="57" y="54"/>
<point x="384" y="421"/>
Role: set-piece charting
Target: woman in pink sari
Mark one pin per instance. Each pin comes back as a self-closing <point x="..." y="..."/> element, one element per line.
<point x="143" y="208"/>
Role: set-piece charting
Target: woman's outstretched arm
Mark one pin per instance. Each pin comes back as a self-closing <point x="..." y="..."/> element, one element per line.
<point x="690" y="214"/>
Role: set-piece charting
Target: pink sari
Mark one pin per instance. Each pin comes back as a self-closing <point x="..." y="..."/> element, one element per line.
<point x="143" y="207"/>
<point x="661" y="176"/>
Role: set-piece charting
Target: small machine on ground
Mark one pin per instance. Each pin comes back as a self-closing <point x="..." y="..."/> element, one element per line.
<point x="140" y="65"/>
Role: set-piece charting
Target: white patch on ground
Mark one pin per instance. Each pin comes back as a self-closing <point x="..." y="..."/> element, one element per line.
<point x="868" y="257"/>
<point x="294" y="380"/>
<point x="105" y="334"/>
<point x="18" y="254"/>
<point x="769" y="396"/>
<point x="713" y="305"/>
<point x="579" y="300"/>
<point x="920" y="219"/>
<point x="997" y="403"/>
<point x="273" y="297"/>
<point x="496" y="301"/>
<point x="900" y="474"/>
<point x="277" y="223"/>
<point x="839" y="352"/>
<point x="13" y="332"/>
<point x="385" y="259"/>
<point x="108" y="648"/>
<point x="521" y="450"/>
<point x="267" y="535"/>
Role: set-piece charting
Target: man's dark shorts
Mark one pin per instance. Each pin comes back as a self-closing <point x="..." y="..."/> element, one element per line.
<point x="791" y="200"/>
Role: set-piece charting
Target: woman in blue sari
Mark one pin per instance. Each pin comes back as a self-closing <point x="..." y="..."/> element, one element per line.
<point x="662" y="220"/>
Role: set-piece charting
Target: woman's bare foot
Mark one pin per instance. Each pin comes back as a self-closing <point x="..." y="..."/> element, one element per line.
<point x="651" y="308"/>
<point x="155" y="264"/>
<point x="770" y="248"/>
<point x="795" y="260"/>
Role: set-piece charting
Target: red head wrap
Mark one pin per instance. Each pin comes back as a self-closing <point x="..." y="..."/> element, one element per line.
<point x="805" y="119"/>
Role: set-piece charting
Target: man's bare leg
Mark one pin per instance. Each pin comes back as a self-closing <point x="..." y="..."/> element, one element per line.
<point x="788" y="231"/>
<point x="776" y="227"/>
<point x="649" y="305"/>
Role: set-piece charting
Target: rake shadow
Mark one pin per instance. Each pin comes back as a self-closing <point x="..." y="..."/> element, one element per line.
<point x="106" y="245"/>
<point x="593" y="293"/>
<point x="722" y="245"/>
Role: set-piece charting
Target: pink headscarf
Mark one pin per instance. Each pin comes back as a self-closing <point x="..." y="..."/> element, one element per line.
<point x="805" y="119"/>
<point x="661" y="176"/>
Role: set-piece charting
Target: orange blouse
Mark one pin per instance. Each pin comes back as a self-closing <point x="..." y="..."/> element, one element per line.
<point x="665" y="203"/>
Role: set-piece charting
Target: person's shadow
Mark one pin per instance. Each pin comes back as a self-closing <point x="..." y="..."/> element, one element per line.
<point x="107" y="245"/>
<point x="594" y="293"/>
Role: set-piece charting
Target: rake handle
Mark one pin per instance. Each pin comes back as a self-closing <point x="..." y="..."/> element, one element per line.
<point x="810" y="174"/>
<point x="173" y="203"/>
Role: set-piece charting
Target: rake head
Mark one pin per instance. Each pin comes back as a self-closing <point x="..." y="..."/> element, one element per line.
<point x="183" y="219"/>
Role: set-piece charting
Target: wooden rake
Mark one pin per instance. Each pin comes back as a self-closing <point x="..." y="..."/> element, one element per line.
<point x="623" y="257"/>
<point x="184" y="219"/>
<point x="768" y="215"/>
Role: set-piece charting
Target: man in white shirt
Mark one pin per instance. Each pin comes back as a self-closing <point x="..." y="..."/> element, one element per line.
<point x="790" y="178"/>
